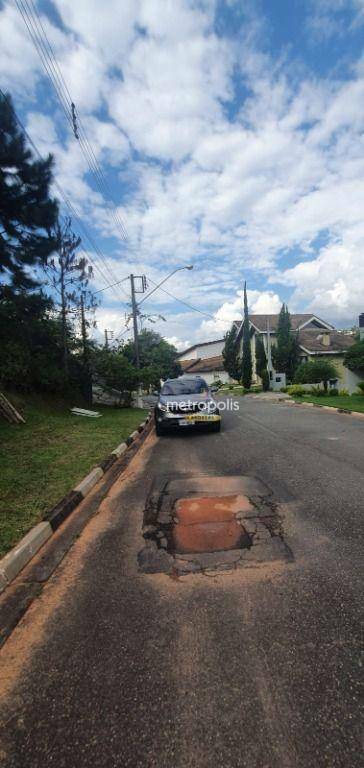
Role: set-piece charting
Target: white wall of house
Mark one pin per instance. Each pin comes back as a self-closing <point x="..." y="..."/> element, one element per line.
<point x="211" y="376"/>
<point x="350" y="381"/>
<point x="203" y="351"/>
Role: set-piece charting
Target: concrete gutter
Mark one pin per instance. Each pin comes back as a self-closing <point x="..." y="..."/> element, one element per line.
<point x="18" y="557"/>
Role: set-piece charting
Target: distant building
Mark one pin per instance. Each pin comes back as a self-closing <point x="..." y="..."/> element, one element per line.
<point x="316" y="337"/>
<point x="206" y="360"/>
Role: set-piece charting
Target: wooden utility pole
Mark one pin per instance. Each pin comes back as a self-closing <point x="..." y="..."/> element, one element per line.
<point x="134" y="307"/>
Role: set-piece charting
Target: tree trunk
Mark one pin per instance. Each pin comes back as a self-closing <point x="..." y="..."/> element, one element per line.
<point x="87" y="380"/>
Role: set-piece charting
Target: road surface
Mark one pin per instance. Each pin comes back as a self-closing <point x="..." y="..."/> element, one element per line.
<point x="256" y="667"/>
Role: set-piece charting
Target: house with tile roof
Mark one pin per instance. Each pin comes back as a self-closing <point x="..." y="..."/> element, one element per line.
<point x="316" y="337"/>
<point x="205" y="360"/>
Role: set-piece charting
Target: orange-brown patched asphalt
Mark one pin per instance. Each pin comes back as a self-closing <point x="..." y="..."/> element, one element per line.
<point x="209" y="524"/>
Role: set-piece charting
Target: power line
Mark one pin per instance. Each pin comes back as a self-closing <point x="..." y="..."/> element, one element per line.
<point x="34" y="25"/>
<point x="181" y="301"/>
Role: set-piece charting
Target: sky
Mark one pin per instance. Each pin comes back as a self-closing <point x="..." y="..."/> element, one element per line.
<point x="231" y="135"/>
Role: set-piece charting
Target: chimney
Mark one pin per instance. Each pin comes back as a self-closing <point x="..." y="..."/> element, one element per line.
<point x="361" y="326"/>
<point x="325" y="338"/>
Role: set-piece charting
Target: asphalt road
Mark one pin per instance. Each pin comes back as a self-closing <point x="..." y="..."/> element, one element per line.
<point x="260" y="668"/>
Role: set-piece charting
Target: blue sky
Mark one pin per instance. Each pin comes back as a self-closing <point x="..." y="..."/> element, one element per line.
<point x="232" y="136"/>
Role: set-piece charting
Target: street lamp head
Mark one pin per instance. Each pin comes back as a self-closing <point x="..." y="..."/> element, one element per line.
<point x="189" y="266"/>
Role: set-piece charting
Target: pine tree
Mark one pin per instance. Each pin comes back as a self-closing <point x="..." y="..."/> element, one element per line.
<point x="230" y="354"/>
<point x="69" y="274"/>
<point x="261" y="357"/>
<point x="247" y="365"/>
<point x="27" y="213"/>
<point x="286" y="354"/>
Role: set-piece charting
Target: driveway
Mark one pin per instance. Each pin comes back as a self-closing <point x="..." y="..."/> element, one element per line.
<point x="256" y="666"/>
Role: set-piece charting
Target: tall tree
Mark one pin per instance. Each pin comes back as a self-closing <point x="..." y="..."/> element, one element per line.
<point x="230" y="354"/>
<point x="115" y="371"/>
<point x="69" y="274"/>
<point x="261" y="362"/>
<point x="261" y="357"/>
<point x="354" y="357"/>
<point x="27" y="212"/>
<point x="154" y="351"/>
<point x="30" y="343"/>
<point x="286" y="353"/>
<point x="247" y="365"/>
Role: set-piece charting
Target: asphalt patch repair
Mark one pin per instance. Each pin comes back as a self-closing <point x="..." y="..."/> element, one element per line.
<point x="200" y="523"/>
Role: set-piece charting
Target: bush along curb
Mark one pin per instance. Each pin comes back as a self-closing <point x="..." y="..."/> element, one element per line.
<point x="18" y="557"/>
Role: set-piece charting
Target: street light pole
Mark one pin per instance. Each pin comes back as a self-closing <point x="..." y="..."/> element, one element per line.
<point x="187" y="266"/>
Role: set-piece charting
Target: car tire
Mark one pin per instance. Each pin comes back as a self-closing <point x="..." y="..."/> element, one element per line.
<point x="159" y="429"/>
<point x="216" y="427"/>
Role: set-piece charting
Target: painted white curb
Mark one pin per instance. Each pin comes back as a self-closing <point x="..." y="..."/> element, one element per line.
<point x="28" y="546"/>
<point x="120" y="449"/>
<point x="17" y="558"/>
<point x="89" y="481"/>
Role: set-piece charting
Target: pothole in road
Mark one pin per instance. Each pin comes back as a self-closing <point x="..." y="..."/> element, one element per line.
<point x="207" y="523"/>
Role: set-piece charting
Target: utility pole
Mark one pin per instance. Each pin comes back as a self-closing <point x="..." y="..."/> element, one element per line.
<point x="134" y="307"/>
<point x="108" y="336"/>
<point x="269" y="353"/>
<point x="135" y="320"/>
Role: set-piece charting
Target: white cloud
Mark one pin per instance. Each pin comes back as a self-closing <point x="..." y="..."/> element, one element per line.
<point x="172" y="84"/>
<point x="178" y="343"/>
<point x="326" y="18"/>
<point x="151" y="80"/>
<point x="259" y="302"/>
<point x="18" y="59"/>
<point x="331" y="284"/>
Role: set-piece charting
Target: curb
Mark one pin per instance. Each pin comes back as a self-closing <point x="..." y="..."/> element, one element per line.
<point x="18" y="557"/>
<point x="332" y="408"/>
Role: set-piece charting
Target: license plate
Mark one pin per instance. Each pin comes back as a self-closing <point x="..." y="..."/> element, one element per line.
<point x="204" y="417"/>
<point x="185" y="422"/>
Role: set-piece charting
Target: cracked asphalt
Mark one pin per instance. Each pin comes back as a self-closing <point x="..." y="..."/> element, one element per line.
<point x="261" y="667"/>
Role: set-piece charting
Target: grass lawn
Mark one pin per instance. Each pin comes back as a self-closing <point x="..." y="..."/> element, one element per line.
<point x="351" y="402"/>
<point x="231" y="392"/>
<point x="43" y="459"/>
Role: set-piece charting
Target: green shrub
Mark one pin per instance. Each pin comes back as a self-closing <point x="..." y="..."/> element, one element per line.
<point x="333" y="392"/>
<point x="283" y="389"/>
<point x="317" y="391"/>
<point x="344" y="392"/>
<point x="296" y="390"/>
<point x="360" y="386"/>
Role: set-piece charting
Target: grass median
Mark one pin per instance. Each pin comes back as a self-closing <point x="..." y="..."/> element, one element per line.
<point x="44" y="458"/>
<point x="349" y="402"/>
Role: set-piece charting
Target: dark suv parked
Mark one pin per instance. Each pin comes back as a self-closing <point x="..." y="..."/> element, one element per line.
<point x="184" y="402"/>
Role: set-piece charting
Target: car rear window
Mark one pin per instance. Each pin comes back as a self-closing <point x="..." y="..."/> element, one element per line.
<point x="184" y="387"/>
